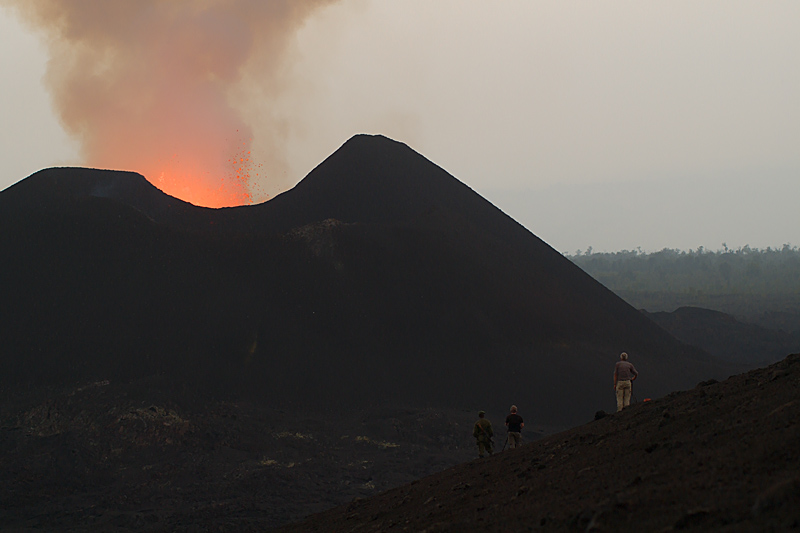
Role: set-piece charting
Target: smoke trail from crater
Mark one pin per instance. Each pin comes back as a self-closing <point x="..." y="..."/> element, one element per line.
<point x="161" y="87"/>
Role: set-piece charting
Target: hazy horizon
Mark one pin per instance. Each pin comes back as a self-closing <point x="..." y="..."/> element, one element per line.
<point x="615" y="126"/>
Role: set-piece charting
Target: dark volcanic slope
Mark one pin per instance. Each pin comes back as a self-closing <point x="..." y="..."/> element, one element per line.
<point x="379" y="279"/>
<point x="721" y="457"/>
<point x="725" y="337"/>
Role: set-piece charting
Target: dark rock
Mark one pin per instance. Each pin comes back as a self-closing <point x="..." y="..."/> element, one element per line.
<point x="691" y="519"/>
<point x="781" y="495"/>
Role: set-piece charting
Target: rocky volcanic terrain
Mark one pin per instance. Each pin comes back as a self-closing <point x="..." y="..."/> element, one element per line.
<point x="724" y="456"/>
<point x="110" y="456"/>
<point x="168" y="367"/>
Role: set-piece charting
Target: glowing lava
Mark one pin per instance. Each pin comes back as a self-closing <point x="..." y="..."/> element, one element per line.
<point x="225" y="185"/>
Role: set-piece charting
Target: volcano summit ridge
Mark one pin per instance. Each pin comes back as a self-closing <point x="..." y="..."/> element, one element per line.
<point x="378" y="279"/>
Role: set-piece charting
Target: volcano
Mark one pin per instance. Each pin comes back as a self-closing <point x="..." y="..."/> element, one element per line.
<point x="379" y="279"/>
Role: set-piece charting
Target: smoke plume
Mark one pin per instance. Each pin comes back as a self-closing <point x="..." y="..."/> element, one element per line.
<point x="160" y="87"/>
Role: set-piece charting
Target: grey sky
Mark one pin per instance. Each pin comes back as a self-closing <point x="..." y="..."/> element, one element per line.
<point x="605" y="124"/>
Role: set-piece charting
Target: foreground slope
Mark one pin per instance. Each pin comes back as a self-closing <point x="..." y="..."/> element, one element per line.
<point x="724" y="456"/>
<point x="112" y="456"/>
<point x="378" y="280"/>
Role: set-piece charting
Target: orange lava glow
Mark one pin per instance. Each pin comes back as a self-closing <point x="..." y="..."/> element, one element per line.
<point x="226" y="186"/>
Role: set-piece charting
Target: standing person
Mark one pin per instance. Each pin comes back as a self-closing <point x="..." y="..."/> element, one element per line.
<point x="624" y="373"/>
<point x="483" y="432"/>
<point x="514" y="424"/>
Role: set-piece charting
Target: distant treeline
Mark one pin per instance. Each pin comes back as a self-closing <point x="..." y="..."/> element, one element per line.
<point x="744" y="271"/>
<point x="758" y="286"/>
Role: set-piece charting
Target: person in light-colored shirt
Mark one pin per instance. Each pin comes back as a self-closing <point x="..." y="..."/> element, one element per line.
<point x="624" y="374"/>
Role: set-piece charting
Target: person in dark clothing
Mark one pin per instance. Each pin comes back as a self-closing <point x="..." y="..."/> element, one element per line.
<point x="514" y="424"/>
<point x="482" y="431"/>
<point x="624" y="374"/>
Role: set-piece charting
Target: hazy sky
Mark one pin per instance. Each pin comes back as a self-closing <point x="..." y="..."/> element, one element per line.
<point x="614" y="125"/>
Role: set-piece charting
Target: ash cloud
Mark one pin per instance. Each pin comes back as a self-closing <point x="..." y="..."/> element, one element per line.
<point x="163" y="87"/>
